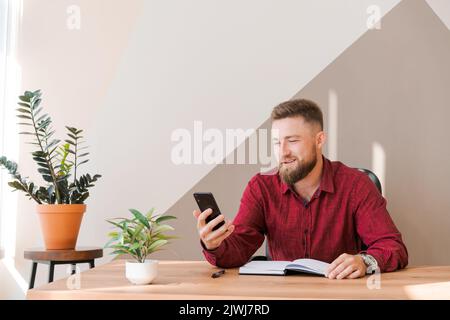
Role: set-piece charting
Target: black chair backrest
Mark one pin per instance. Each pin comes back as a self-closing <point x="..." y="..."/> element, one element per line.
<point x="372" y="177"/>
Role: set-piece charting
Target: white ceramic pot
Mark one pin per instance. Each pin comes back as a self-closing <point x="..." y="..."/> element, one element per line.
<point x="141" y="273"/>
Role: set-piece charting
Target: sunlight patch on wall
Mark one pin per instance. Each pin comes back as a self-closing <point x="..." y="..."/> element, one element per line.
<point x="332" y="125"/>
<point x="379" y="163"/>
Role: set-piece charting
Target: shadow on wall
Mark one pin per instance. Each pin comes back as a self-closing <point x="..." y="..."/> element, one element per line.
<point x="391" y="88"/>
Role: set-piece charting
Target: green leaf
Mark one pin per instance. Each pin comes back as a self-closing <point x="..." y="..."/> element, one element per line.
<point x="51" y="152"/>
<point x="36" y="111"/>
<point x="83" y="197"/>
<point x="28" y="94"/>
<point x="50" y="134"/>
<point x="116" y="224"/>
<point x="160" y="236"/>
<point x="158" y="243"/>
<point x="113" y="234"/>
<point x="40" y="160"/>
<point x="137" y="231"/>
<point x="50" y="145"/>
<point x="44" y="171"/>
<point x="70" y="142"/>
<point x="164" y="218"/>
<point x="23" y="116"/>
<point x="23" y="110"/>
<point x="43" y="126"/>
<point x="43" y="165"/>
<point x="16" y="185"/>
<point x="42" y="117"/>
<point x="134" y="246"/>
<point x="119" y="252"/>
<point x="47" y="178"/>
<point x="71" y="129"/>
<point x="82" y="162"/>
<point x="24" y="98"/>
<point x="36" y="104"/>
<point x="26" y="105"/>
<point x="163" y="228"/>
<point x="139" y="216"/>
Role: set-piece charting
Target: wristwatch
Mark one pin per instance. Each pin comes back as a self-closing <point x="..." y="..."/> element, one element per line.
<point x="370" y="262"/>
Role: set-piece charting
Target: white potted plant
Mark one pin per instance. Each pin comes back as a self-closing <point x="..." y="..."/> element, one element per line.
<point x="139" y="237"/>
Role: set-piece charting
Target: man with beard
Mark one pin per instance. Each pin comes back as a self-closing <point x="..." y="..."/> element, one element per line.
<point x="310" y="207"/>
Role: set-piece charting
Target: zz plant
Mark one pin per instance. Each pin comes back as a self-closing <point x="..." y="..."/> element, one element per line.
<point x="57" y="162"/>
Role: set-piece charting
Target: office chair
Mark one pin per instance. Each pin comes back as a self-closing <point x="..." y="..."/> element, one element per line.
<point x="372" y="177"/>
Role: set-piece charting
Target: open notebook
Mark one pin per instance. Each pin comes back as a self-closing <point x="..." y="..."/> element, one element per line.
<point x="282" y="267"/>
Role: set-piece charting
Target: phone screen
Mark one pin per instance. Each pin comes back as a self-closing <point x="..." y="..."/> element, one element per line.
<point x="205" y="200"/>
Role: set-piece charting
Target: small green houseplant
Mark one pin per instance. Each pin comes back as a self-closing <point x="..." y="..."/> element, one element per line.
<point x="139" y="237"/>
<point x="60" y="201"/>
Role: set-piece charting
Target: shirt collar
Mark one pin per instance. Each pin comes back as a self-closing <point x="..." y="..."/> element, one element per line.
<point x="326" y="182"/>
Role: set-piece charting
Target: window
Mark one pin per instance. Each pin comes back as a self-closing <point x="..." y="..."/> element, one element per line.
<point x="10" y="14"/>
<point x="3" y="45"/>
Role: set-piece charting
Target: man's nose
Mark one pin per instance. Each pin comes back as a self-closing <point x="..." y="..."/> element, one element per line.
<point x="284" y="150"/>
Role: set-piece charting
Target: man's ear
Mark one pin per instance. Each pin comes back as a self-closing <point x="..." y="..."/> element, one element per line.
<point x="320" y="139"/>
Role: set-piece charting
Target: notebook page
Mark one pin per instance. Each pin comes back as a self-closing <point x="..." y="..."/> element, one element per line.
<point x="266" y="265"/>
<point x="312" y="264"/>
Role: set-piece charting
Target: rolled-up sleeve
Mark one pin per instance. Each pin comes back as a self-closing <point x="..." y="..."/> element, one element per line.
<point x="376" y="228"/>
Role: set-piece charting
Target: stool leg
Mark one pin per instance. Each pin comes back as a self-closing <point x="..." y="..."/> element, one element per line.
<point x="74" y="268"/>
<point x="33" y="275"/>
<point x="51" y="271"/>
<point x="91" y="264"/>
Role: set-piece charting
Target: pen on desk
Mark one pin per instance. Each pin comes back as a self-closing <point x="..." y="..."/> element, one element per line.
<point x="217" y="274"/>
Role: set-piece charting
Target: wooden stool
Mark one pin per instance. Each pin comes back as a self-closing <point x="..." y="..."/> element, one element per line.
<point x="54" y="257"/>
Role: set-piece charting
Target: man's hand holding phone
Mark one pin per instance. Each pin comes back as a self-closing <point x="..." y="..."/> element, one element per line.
<point x="212" y="238"/>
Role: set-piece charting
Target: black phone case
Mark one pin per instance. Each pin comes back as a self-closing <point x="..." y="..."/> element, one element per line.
<point x="205" y="200"/>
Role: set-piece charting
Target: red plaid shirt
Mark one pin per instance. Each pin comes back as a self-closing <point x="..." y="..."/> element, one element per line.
<point x="345" y="212"/>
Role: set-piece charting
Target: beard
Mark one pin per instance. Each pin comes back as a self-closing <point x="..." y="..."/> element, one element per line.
<point x="298" y="171"/>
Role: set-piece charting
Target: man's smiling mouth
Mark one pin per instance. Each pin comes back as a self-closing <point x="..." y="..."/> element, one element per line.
<point x="288" y="161"/>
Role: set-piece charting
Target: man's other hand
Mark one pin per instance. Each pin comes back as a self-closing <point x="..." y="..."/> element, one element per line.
<point x="347" y="266"/>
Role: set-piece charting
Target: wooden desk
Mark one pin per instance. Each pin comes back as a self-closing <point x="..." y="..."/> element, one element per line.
<point x="192" y="280"/>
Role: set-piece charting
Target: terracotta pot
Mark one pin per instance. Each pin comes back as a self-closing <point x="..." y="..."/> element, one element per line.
<point x="60" y="224"/>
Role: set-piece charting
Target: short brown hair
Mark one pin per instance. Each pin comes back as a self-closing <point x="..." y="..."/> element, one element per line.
<point x="307" y="109"/>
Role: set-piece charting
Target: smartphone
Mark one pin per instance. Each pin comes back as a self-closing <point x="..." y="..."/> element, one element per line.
<point x="205" y="200"/>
